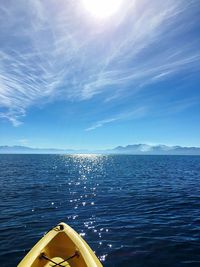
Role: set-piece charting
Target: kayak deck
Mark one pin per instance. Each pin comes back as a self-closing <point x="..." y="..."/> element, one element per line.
<point x="61" y="246"/>
<point x="56" y="261"/>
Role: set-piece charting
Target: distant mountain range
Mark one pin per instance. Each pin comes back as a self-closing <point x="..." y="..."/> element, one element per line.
<point x="29" y="150"/>
<point x="143" y="149"/>
<point x="137" y="149"/>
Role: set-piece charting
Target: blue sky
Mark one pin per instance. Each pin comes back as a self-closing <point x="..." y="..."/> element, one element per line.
<point x="72" y="80"/>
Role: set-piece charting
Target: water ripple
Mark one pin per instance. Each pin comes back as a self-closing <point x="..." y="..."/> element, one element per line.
<point x="132" y="210"/>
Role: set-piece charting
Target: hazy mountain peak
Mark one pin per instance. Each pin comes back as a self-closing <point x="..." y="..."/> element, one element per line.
<point x="135" y="149"/>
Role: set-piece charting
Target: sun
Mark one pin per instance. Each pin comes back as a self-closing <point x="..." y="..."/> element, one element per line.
<point x="102" y="8"/>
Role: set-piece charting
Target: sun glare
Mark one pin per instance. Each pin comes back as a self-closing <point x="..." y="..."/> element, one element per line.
<point x="102" y="8"/>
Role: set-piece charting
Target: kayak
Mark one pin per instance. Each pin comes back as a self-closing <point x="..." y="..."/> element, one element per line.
<point x="61" y="246"/>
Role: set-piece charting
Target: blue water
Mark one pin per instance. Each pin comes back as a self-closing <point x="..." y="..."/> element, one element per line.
<point x="132" y="210"/>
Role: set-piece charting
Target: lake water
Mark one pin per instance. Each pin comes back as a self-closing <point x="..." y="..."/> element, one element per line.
<point x="132" y="210"/>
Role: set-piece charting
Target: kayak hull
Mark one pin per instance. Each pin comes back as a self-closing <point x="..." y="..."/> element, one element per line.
<point x="61" y="246"/>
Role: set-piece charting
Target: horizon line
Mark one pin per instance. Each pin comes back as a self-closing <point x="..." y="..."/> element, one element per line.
<point x="96" y="149"/>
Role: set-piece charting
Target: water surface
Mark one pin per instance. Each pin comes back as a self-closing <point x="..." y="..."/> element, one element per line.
<point x="132" y="210"/>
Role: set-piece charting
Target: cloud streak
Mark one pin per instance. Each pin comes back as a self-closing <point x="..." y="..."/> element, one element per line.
<point x="53" y="51"/>
<point x="131" y="115"/>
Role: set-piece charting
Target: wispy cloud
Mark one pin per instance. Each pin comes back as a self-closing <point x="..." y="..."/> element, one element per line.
<point x="23" y="141"/>
<point x="50" y="51"/>
<point x="179" y="106"/>
<point x="134" y="114"/>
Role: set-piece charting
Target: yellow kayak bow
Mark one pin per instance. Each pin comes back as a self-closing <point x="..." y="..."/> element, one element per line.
<point x="61" y="246"/>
